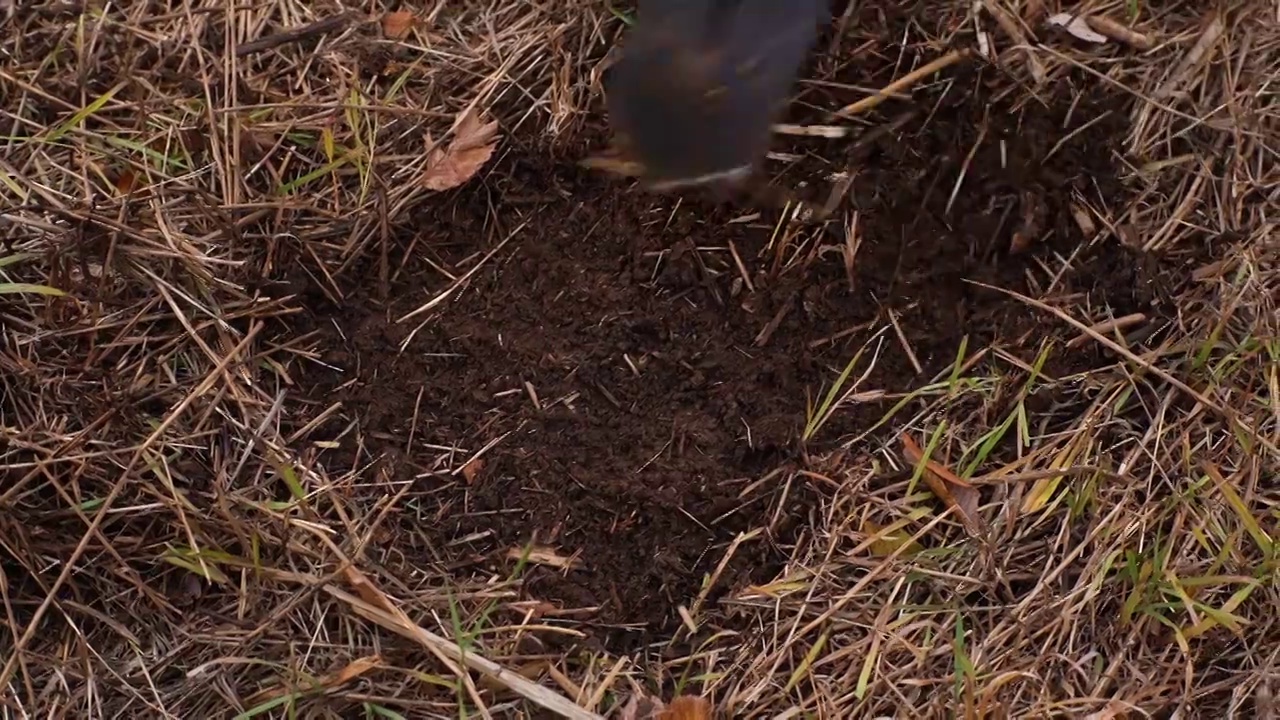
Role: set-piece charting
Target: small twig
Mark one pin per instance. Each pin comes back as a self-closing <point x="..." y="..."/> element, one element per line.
<point x="1120" y="323"/>
<point x="1121" y="33"/>
<point x="298" y="34"/>
<point x="964" y="168"/>
<point x="907" y="80"/>
<point x="906" y="344"/>
<point x="828" y="132"/>
<point x="770" y="327"/>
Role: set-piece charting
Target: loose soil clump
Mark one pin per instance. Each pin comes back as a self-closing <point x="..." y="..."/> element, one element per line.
<point x="632" y="374"/>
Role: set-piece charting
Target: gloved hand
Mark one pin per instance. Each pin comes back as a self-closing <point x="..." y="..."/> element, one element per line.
<point x="700" y="83"/>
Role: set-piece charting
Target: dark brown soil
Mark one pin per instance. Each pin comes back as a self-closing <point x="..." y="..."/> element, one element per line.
<point x="658" y="408"/>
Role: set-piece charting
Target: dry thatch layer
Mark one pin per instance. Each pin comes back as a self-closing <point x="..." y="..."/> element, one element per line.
<point x="172" y="547"/>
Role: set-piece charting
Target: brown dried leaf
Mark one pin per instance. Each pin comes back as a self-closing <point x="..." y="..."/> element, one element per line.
<point x="397" y="25"/>
<point x="949" y="487"/>
<point x="391" y="68"/>
<point x="366" y="590"/>
<point x="127" y="182"/>
<point x="353" y="670"/>
<point x="473" y="144"/>
<point x="472" y="469"/>
<point x="349" y="672"/>
<point x="687" y="707"/>
<point x="682" y="707"/>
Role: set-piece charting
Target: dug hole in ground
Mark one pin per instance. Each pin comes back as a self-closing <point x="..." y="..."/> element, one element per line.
<point x="334" y="385"/>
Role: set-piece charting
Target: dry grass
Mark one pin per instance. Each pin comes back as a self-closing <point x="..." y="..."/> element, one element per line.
<point x="1125" y="563"/>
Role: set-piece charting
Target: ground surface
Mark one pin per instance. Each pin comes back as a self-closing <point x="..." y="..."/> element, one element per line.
<point x="608" y="361"/>
<point x="569" y="426"/>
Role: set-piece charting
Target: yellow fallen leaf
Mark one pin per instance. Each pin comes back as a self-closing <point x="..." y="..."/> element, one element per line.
<point x="473" y="143"/>
<point x="889" y="542"/>
<point x="1042" y="490"/>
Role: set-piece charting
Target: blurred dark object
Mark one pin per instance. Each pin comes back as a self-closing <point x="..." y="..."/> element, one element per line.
<point x="700" y="83"/>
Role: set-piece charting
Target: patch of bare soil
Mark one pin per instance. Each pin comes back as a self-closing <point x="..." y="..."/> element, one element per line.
<point x="631" y="391"/>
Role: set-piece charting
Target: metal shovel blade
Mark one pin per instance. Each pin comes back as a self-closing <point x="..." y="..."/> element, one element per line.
<point x="700" y="83"/>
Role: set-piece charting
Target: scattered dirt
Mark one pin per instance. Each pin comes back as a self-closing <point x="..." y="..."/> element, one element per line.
<point x="608" y="364"/>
